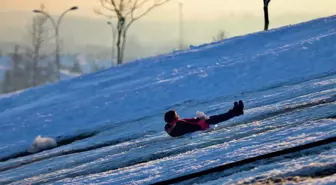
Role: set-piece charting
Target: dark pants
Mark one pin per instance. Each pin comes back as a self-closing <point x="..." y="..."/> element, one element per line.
<point x="215" y="119"/>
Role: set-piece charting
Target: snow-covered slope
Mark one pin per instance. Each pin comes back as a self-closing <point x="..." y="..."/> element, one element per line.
<point x="110" y="124"/>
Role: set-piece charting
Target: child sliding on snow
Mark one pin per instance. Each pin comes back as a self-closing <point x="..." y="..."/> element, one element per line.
<point x="177" y="127"/>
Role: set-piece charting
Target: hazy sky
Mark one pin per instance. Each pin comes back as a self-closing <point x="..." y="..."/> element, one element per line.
<point x="202" y="19"/>
<point x="193" y="9"/>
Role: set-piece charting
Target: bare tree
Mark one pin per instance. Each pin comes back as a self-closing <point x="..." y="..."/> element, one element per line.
<point x="16" y="77"/>
<point x="221" y="35"/>
<point x="126" y="12"/>
<point x="38" y="33"/>
<point x="266" y="2"/>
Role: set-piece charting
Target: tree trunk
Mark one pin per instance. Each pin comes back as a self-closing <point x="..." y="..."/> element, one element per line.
<point x="266" y="17"/>
<point x="119" y="60"/>
<point x="113" y="47"/>
<point x="123" y="44"/>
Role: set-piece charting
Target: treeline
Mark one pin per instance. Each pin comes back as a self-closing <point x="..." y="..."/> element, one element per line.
<point x="32" y="65"/>
<point x="20" y="70"/>
<point x="24" y="72"/>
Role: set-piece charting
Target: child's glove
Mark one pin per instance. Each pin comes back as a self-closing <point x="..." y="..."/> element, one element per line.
<point x="201" y="115"/>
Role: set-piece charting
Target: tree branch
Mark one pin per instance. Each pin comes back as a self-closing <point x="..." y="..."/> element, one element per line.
<point x="122" y="7"/>
<point x="108" y="5"/>
<point x="149" y="9"/>
<point x="108" y="16"/>
<point x="135" y="6"/>
<point x="116" y="10"/>
<point x="102" y="3"/>
<point x="144" y="13"/>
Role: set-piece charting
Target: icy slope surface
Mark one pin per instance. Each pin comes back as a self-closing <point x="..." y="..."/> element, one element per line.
<point x="287" y="78"/>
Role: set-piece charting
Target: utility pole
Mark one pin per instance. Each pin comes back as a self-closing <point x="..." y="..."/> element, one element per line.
<point x="56" y="27"/>
<point x="181" y="42"/>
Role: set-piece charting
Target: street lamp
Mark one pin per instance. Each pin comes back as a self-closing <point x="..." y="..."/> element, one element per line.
<point x="56" y="27"/>
<point x="113" y="40"/>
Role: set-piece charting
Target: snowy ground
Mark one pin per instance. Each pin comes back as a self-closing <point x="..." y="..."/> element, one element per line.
<point x="110" y="124"/>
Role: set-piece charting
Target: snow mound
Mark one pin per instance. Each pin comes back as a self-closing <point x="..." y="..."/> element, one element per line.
<point x="42" y="143"/>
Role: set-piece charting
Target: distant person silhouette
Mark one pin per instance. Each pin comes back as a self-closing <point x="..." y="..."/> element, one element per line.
<point x="176" y="127"/>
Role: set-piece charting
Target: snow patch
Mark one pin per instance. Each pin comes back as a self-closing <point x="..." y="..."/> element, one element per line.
<point x="42" y="143"/>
